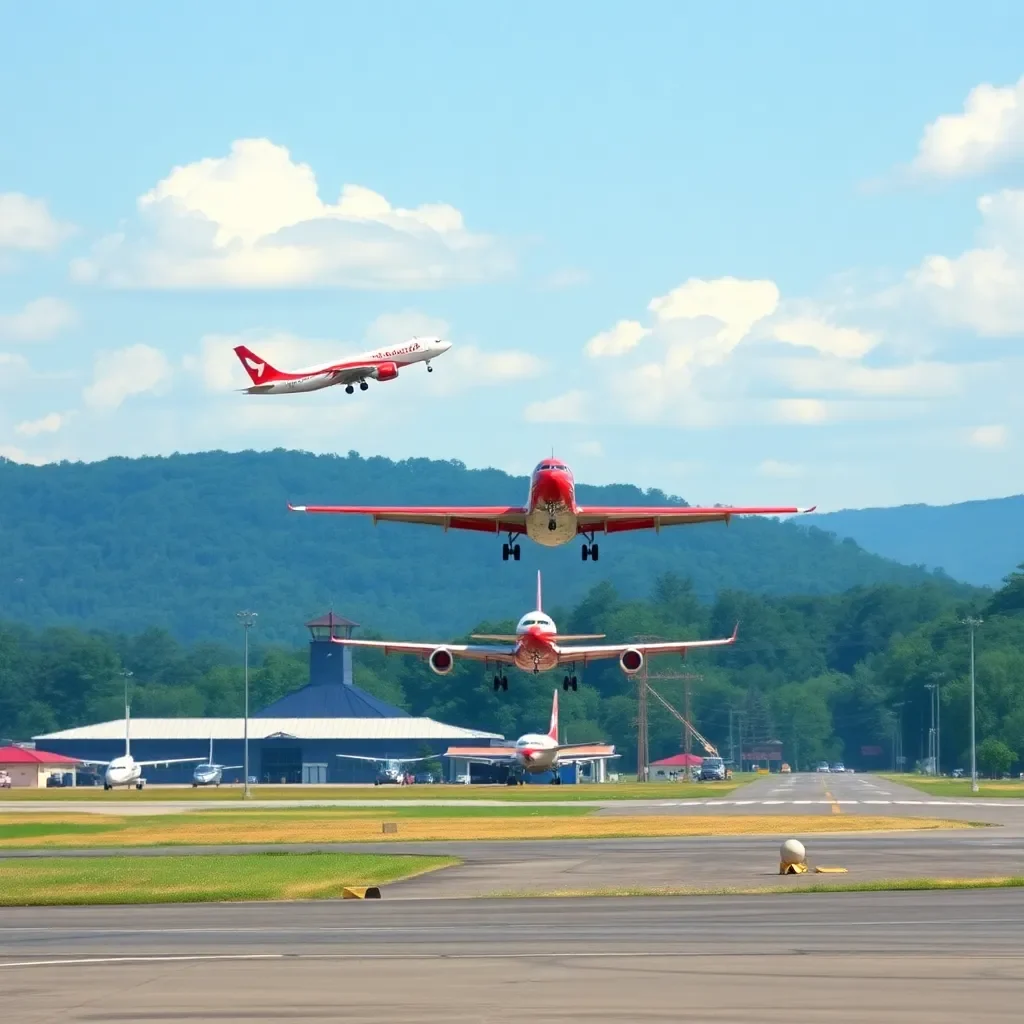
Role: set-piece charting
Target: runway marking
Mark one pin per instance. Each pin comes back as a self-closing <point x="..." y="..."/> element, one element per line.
<point x="836" y="809"/>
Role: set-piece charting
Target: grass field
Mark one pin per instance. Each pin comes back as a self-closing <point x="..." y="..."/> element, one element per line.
<point x="513" y="794"/>
<point x="255" y="876"/>
<point x="956" y="788"/>
<point x="320" y="826"/>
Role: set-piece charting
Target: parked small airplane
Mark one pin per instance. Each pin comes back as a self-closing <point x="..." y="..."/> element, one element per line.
<point x="535" y="647"/>
<point x="383" y="364"/>
<point x="125" y="770"/>
<point x="209" y="773"/>
<point x="536" y="752"/>
<point x="392" y="769"/>
<point x="550" y="516"/>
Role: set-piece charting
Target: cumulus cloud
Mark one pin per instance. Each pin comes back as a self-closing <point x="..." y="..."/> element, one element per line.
<point x="124" y="373"/>
<point x="622" y="338"/>
<point x="800" y="410"/>
<point x="993" y="436"/>
<point x="842" y="342"/>
<point x="836" y="376"/>
<point x="38" y="320"/>
<point x="255" y="219"/>
<point x="567" y="408"/>
<point x="27" y="224"/>
<point x="989" y="132"/>
<point x="48" y="424"/>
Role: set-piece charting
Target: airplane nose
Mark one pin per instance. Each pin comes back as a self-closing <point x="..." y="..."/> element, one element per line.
<point x="444" y="345"/>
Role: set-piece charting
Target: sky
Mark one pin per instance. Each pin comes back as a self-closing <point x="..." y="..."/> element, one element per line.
<point x="740" y="254"/>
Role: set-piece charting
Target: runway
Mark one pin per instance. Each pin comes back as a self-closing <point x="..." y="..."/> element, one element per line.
<point x="843" y="958"/>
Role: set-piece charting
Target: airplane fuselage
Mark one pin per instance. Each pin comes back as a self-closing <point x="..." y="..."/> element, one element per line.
<point x="207" y="775"/>
<point x="122" y="771"/>
<point x="536" y="753"/>
<point x="551" y="512"/>
<point x="535" y="651"/>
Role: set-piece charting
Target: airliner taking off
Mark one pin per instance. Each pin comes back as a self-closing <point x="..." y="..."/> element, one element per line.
<point x="125" y="770"/>
<point x="382" y="364"/>
<point x="550" y="516"/>
<point x="536" y="752"/>
<point x="535" y="647"/>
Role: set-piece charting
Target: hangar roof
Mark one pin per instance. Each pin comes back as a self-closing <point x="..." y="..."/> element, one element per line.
<point x="261" y="728"/>
<point x="19" y="755"/>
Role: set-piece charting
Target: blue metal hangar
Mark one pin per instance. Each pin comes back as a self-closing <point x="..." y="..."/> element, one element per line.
<point x="294" y="740"/>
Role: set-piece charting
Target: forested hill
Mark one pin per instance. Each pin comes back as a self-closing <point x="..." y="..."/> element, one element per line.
<point x="973" y="541"/>
<point x="184" y="542"/>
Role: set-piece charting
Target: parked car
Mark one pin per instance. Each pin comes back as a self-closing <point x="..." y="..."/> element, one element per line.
<point x="712" y="769"/>
<point x="785" y="769"/>
<point x="838" y="767"/>
<point x="822" y="766"/>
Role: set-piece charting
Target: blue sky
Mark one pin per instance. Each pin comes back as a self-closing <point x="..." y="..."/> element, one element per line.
<point x="737" y="254"/>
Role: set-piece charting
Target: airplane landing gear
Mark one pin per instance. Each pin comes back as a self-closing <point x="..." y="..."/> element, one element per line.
<point x="570" y="683"/>
<point x="510" y="549"/>
<point x="552" y="525"/>
<point x="500" y="683"/>
<point x="349" y="390"/>
<point x="430" y="369"/>
<point x="589" y="550"/>
<point x="363" y="385"/>
<point x="556" y="780"/>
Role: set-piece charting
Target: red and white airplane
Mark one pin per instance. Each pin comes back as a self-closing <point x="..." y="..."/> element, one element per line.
<point x="550" y="516"/>
<point x="383" y="364"/>
<point x="535" y="647"/>
<point x="537" y="752"/>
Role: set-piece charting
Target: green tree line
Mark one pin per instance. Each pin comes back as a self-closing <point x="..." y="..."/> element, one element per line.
<point x="826" y="675"/>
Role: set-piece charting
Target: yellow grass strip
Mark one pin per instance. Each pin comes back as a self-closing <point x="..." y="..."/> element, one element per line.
<point x="365" y="830"/>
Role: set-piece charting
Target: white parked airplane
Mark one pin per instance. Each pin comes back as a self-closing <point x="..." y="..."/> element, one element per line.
<point x="125" y="770"/>
<point x="392" y="769"/>
<point x="383" y="364"/>
<point x="536" y="752"/>
<point x="210" y="774"/>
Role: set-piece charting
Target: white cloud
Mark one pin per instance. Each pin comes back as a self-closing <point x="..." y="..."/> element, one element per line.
<point x="737" y="305"/>
<point x="780" y="470"/>
<point x="126" y="372"/>
<point x="27" y="223"/>
<point x="800" y="410"/>
<point x="989" y="132"/>
<point x="48" y="424"/>
<point x="836" y="376"/>
<point x="843" y="342"/>
<point x="622" y="338"/>
<point x="39" y="320"/>
<point x="567" y="408"/>
<point x="14" y="454"/>
<point x="254" y="219"/>
<point x="992" y="436"/>
<point x="465" y="366"/>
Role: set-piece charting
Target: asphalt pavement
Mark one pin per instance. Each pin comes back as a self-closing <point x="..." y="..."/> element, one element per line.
<point x="941" y="957"/>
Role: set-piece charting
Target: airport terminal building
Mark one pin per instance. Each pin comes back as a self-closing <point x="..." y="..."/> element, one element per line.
<point x="294" y="740"/>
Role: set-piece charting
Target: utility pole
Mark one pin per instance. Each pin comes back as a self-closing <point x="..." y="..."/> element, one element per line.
<point x="932" y="758"/>
<point x="899" y="735"/>
<point x="247" y="619"/>
<point x="972" y="624"/>
<point x="641" y="727"/>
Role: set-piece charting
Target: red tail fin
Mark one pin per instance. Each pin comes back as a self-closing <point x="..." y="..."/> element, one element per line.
<point x="553" y="729"/>
<point x="259" y="370"/>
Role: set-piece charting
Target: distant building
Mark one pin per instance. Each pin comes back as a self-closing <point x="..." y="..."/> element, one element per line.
<point x="295" y="739"/>
<point x="31" y="768"/>
<point x="668" y="767"/>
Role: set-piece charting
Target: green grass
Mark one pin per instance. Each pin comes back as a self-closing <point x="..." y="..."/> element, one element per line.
<point x="268" y="876"/>
<point x="808" y="886"/>
<point x="958" y="788"/>
<point x="583" y="793"/>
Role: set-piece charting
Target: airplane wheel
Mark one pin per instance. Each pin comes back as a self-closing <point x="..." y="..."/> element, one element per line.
<point x="593" y="552"/>
<point x="105" y="787"/>
<point x="505" y="552"/>
<point x="138" y="785"/>
<point x="584" y="551"/>
<point x="515" y="552"/>
<point x="363" y="385"/>
<point x="574" y="684"/>
<point x="349" y="390"/>
<point x="195" y="785"/>
<point x="430" y="369"/>
<point x="504" y="683"/>
<point x="565" y="683"/>
<point x="497" y="683"/>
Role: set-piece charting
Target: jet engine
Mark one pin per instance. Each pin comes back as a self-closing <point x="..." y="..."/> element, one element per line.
<point x="631" y="661"/>
<point x="441" y="661"/>
<point x="386" y="371"/>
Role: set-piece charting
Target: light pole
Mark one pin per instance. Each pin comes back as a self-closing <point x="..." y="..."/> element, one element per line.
<point x="932" y="737"/>
<point x="972" y="624"/>
<point x="246" y="619"/>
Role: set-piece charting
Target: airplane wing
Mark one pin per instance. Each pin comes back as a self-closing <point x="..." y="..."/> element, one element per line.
<point x="171" y="760"/>
<point x="618" y="519"/>
<point x="581" y="753"/>
<point x="484" y="519"/>
<point x="384" y="760"/>
<point x="473" y="652"/>
<point x="228" y="767"/>
<point x="483" y="755"/>
<point x="596" y="652"/>
<point x="95" y="764"/>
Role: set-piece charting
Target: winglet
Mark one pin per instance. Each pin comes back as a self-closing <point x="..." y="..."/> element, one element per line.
<point x="539" y="605"/>
<point x="296" y="508"/>
<point x="804" y="511"/>
<point x="735" y="631"/>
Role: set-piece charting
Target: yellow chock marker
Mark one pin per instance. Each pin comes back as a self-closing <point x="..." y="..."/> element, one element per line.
<point x="360" y="892"/>
<point x="792" y="869"/>
<point x="830" y="871"/>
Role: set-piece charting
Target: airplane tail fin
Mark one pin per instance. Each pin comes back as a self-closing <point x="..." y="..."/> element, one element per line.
<point x="553" y="728"/>
<point x="259" y="370"/>
<point x="540" y="606"/>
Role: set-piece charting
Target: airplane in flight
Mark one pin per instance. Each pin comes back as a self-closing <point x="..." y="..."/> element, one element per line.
<point x="536" y="646"/>
<point x="125" y="770"/>
<point x="550" y="516"/>
<point x="210" y="774"/>
<point x="392" y="769"/>
<point x="535" y="753"/>
<point x="382" y="364"/>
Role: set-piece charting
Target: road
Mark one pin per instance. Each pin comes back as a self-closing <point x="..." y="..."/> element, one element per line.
<point x="940" y="957"/>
